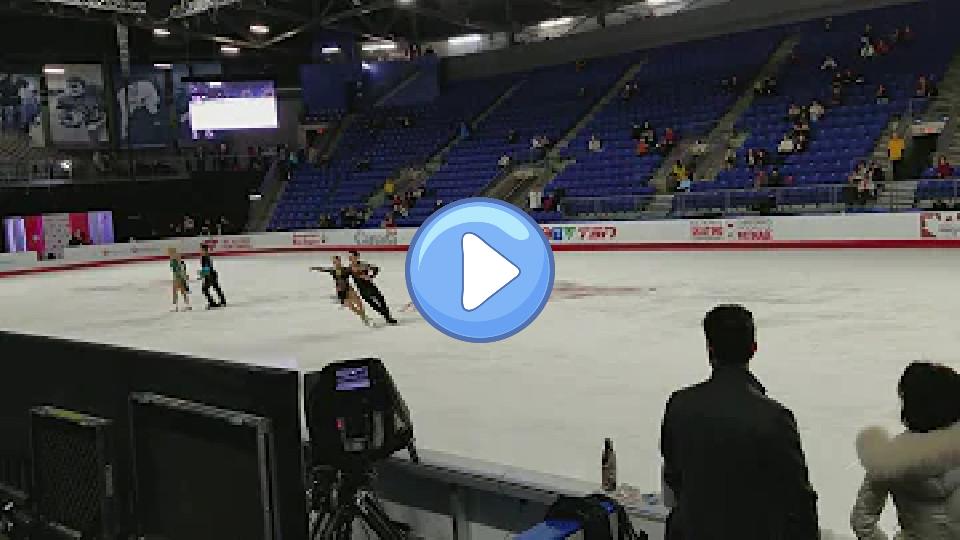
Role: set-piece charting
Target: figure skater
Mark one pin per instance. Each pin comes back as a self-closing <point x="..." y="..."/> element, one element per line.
<point x="363" y="274"/>
<point x="210" y="279"/>
<point x="179" y="269"/>
<point x="345" y="293"/>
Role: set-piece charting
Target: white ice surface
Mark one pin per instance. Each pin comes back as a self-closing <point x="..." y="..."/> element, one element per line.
<point x="835" y="331"/>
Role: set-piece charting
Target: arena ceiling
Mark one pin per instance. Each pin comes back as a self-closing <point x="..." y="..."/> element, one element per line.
<point x="290" y="22"/>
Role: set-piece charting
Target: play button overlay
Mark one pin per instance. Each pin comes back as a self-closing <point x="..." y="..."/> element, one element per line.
<point x="485" y="272"/>
<point x="480" y="270"/>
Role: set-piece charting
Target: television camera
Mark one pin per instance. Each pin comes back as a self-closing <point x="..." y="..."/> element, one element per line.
<point x="355" y="417"/>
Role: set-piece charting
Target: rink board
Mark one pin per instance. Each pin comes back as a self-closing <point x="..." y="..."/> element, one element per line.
<point x="922" y="230"/>
<point x="837" y="327"/>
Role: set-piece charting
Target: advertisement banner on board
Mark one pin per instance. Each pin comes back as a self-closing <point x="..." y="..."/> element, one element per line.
<point x="941" y="225"/>
<point x="580" y="233"/>
<point x="759" y="229"/>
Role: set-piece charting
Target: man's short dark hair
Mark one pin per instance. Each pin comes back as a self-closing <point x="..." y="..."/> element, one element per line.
<point x="731" y="334"/>
<point x="931" y="397"/>
<point x="354" y="253"/>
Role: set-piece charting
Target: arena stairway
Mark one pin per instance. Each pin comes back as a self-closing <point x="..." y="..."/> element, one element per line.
<point x="724" y="136"/>
<point x="411" y="179"/>
<point x="515" y="187"/>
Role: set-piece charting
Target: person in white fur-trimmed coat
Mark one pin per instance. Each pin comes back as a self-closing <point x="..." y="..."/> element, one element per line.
<point x="920" y="468"/>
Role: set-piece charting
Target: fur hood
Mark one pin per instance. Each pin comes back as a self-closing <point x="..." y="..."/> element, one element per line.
<point x="931" y="454"/>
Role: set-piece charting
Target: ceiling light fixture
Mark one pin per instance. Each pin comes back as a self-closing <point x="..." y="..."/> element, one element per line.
<point x="330" y="50"/>
<point x="553" y="23"/>
<point x="259" y="29"/>
<point x="229" y="49"/>
<point x="379" y="46"/>
<point x="161" y="32"/>
<point x="54" y="70"/>
<point x="462" y="40"/>
<point x="162" y="65"/>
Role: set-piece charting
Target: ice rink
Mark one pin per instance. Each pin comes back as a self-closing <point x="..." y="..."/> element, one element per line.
<point x="621" y="332"/>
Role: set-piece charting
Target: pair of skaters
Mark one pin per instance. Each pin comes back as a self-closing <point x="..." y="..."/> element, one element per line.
<point x="366" y="291"/>
<point x="211" y="280"/>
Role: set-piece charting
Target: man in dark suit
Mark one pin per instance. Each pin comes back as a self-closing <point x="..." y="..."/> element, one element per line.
<point x="733" y="465"/>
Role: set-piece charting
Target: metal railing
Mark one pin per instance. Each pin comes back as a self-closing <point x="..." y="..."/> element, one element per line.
<point x="34" y="170"/>
<point x="801" y="199"/>
<point x="938" y="191"/>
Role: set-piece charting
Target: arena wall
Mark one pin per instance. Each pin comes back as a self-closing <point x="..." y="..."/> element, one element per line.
<point x="923" y="230"/>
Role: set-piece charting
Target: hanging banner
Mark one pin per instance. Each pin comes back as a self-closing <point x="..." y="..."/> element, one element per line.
<point x="142" y="113"/>
<point x="77" y="105"/>
<point x="20" y="105"/>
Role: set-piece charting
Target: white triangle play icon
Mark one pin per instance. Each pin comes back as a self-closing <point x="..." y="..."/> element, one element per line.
<point x="485" y="272"/>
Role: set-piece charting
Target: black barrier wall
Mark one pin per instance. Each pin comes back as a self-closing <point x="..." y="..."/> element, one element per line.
<point x="98" y="380"/>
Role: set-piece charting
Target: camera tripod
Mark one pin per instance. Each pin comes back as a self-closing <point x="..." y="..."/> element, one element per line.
<point x="340" y="497"/>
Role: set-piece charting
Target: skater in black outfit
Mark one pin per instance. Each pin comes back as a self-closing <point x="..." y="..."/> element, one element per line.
<point x="210" y="279"/>
<point x="363" y="275"/>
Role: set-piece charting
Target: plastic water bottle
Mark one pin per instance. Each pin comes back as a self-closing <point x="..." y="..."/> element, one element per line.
<point x="608" y="467"/>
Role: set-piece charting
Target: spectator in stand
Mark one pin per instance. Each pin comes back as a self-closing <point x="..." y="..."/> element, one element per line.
<point x="918" y="469"/>
<point x="504" y="161"/>
<point x="867" y="32"/>
<point x="882" y="47"/>
<point x="828" y="24"/>
<point x="389" y="187"/>
<point x="829" y="64"/>
<point x="944" y="170"/>
<point x="648" y="133"/>
<point x="816" y="111"/>
<point x="866" y="189"/>
<point x="908" y="35"/>
<point x="856" y="179"/>
<point x="787" y="145"/>
<point x="793" y="112"/>
<point x="438" y="204"/>
<point x="760" y="179"/>
<point x="595" y="145"/>
<point x="836" y="95"/>
<point x="866" y="48"/>
<point x="895" y="148"/>
<point x="751" y="158"/>
<point x="775" y="179"/>
<point x="643" y="148"/>
<point x="923" y="87"/>
<point x="636" y="131"/>
<point x="761" y="157"/>
<point x="772" y="86"/>
<point x="549" y="203"/>
<point x="726" y="440"/>
<point x="389" y="221"/>
<point x="932" y="89"/>
<point x="512" y="136"/>
<point x="883" y="97"/>
<point x="698" y="150"/>
<point x="877" y="176"/>
<point x="730" y="160"/>
<point x="800" y="143"/>
<point x="679" y="171"/>
<point x="669" y="139"/>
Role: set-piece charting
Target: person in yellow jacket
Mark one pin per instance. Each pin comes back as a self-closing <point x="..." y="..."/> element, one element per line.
<point x="895" y="149"/>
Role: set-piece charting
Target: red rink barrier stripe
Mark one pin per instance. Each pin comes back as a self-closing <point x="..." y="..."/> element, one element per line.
<point x="927" y="243"/>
